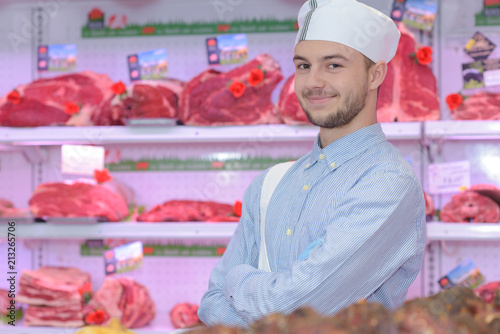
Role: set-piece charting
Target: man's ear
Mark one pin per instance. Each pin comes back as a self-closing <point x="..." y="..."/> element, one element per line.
<point x="376" y="74"/>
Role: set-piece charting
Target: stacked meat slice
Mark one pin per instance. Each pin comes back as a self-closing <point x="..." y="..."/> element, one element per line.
<point x="189" y="211"/>
<point x="53" y="295"/>
<point x="125" y="299"/>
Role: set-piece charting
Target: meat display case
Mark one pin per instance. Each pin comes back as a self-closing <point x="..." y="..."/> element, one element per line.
<point x="29" y="157"/>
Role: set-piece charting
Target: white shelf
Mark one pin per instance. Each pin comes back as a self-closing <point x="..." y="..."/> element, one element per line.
<point x="462" y="129"/>
<point x="56" y="330"/>
<point x="154" y="134"/>
<point x="206" y="230"/>
<point x="463" y="231"/>
<point x="195" y="230"/>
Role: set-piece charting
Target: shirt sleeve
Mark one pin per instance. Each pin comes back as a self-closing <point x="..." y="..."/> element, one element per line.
<point x="242" y="249"/>
<point x="377" y="228"/>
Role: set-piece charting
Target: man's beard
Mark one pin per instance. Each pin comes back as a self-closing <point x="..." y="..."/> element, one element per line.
<point x="351" y="107"/>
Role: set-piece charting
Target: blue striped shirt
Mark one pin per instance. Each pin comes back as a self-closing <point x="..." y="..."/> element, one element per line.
<point x="361" y="205"/>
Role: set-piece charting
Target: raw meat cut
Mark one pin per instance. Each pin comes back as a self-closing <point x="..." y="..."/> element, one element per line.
<point x="490" y="293"/>
<point x="184" y="315"/>
<point x="70" y="315"/>
<point x="409" y="91"/>
<point x="469" y="206"/>
<point x="77" y="199"/>
<point x="52" y="286"/>
<point x="143" y="99"/>
<point x="186" y="211"/>
<point x="125" y="299"/>
<point x="480" y="106"/>
<point x="289" y="107"/>
<point x="487" y="190"/>
<point x="206" y="99"/>
<point x="430" y="210"/>
<point x="43" y="101"/>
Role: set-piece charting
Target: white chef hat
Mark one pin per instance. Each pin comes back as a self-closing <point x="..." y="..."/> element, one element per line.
<point x="351" y="23"/>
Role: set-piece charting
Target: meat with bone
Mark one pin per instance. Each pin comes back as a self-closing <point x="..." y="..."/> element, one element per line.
<point x="289" y="107"/>
<point x="77" y="199"/>
<point x="470" y="206"/>
<point x="207" y="100"/>
<point x="187" y="211"/>
<point x="143" y="99"/>
<point x="184" y="315"/>
<point x="42" y="102"/>
<point x="52" y="286"/>
<point x="409" y="91"/>
<point x="125" y="299"/>
<point x="480" y="106"/>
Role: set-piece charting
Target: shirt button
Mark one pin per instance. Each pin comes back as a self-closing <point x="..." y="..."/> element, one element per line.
<point x="321" y="156"/>
<point x="305" y="187"/>
<point x="332" y="165"/>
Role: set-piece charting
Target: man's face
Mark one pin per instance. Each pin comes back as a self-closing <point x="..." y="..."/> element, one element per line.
<point x="331" y="82"/>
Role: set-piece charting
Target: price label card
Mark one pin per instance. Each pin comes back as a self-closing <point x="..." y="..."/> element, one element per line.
<point x="81" y="159"/>
<point x="123" y="258"/>
<point x="466" y="274"/>
<point x="58" y="57"/>
<point x="449" y="177"/>
<point x="149" y="65"/>
<point x="227" y="49"/>
<point x="398" y="9"/>
<point x="420" y="14"/>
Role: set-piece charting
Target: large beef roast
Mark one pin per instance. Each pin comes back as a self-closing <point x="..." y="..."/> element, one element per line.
<point x="470" y="206"/>
<point x="207" y="100"/>
<point x="77" y="199"/>
<point x="125" y="299"/>
<point x="42" y="102"/>
<point x="143" y="99"/>
<point x="409" y="91"/>
<point x="188" y="211"/>
<point x="480" y="106"/>
<point x="289" y="107"/>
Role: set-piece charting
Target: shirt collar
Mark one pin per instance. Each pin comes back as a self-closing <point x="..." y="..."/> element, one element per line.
<point x="347" y="147"/>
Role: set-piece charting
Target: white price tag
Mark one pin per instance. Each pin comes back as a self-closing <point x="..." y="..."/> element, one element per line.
<point x="81" y="159"/>
<point x="450" y="177"/>
<point x="491" y="78"/>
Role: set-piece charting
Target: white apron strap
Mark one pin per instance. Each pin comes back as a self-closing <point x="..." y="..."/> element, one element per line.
<point x="271" y="180"/>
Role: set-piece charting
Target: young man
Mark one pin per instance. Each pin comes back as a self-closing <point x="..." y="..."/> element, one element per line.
<point x="346" y="222"/>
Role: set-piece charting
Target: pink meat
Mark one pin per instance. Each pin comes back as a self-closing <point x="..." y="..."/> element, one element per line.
<point x="487" y="291"/>
<point x="289" y="107"/>
<point x="480" y="106"/>
<point x="125" y="299"/>
<point x="409" y="92"/>
<point x="430" y="210"/>
<point x="52" y="286"/>
<point x="54" y="316"/>
<point x="43" y="101"/>
<point x="144" y="99"/>
<point x="184" y="315"/>
<point x="206" y="99"/>
<point x="186" y="211"/>
<point x="469" y="206"/>
<point x="79" y="199"/>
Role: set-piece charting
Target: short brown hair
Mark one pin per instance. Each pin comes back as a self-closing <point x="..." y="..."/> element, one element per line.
<point x="368" y="62"/>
